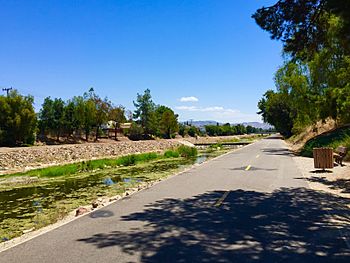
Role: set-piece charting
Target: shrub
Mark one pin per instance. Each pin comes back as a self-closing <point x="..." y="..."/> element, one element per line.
<point x="146" y="157"/>
<point x="186" y="151"/>
<point x="136" y="132"/>
<point x="126" y="160"/>
<point x="215" y="146"/>
<point x="133" y="159"/>
<point x="193" y="131"/>
<point x="332" y="139"/>
<point x="17" y="119"/>
<point x="171" y="154"/>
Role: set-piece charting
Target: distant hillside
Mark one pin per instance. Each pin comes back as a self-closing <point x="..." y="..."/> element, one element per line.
<point x="261" y="125"/>
<point x="199" y="124"/>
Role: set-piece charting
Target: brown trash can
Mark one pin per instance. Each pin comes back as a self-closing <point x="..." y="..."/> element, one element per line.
<point x="323" y="158"/>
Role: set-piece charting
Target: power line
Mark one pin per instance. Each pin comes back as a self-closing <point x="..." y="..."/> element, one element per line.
<point x="7" y="90"/>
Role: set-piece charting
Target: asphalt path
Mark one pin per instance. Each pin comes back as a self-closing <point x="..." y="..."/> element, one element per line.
<point x="251" y="205"/>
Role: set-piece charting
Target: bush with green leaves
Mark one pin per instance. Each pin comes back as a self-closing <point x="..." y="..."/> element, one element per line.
<point x="187" y="151"/>
<point x="171" y="154"/>
<point x="135" y="132"/>
<point x="17" y="120"/>
<point x="339" y="137"/>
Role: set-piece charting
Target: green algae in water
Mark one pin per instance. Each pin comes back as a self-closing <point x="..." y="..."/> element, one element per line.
<point x="46" y="201"/>
<point x="36" y="206"/>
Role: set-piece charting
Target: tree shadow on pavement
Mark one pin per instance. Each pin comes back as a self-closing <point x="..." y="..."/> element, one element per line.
<point x="278" y="151"/>
<point x="338" y="184"/>
<point x="288" y="225"/>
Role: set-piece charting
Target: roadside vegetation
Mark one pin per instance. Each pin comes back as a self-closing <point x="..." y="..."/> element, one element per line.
<point x="83" y="117"/>
<point x="227" y="129"/>
<point x="313" y="85"/>
<point x="90" y="117"/>
<point x="314" y="82"/>
<point x="100" y="164"/>
<point x="41" y="197"/>
<point x="333" y="139"/>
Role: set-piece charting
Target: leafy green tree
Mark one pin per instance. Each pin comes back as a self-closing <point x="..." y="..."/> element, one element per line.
<point x="313" y="84"/>
<point x="89" y="117"/>
<point x="85" y="114"/>
<point x="182" y="129"/>
<point x="240" y="129"/>
<point x="78" y="114"/>
<point x="275" y="109"/>
<point x="145" y="112"/>
<point x="135" y="132"/>
<point x="193" y="131"/>
<point x="226" y="129"/>
<point x="102" y="109"/>
<point x="52" y="117"/>
<point x="69" y="122"/>
<point x="46" y="116"/>
<point x="211" y="130"/>
<point x="250" y="129"/>
<point x="117" y="115"/>
<point x="58" y="120"/>
<point x="168" y="123"/>
<point x="17" y="119"/>
<point x="302" y="25"/>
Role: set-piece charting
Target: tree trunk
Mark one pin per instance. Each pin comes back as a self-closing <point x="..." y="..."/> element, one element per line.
<point x="87" y="135"/>
<point x="97" y="129"/>
<point x="169" y="134"/>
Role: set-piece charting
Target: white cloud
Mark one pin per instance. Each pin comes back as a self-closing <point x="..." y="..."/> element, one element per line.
<point x="206" y="109"/>
<point x="189" y="99"/>
<point x="216" y="113"/>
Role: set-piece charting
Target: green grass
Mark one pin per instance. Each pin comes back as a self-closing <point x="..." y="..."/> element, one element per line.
<point x="69" y="169"/>
<point x="148" y="167"/>
<point x="339" y="137"/>
<point x="91" y="165"/>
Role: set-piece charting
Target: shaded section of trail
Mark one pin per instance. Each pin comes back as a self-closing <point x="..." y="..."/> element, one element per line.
<point x="217" y="212"/>
<point x="288" y="225"/>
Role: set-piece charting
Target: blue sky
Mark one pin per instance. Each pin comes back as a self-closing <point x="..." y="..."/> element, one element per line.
<point x="206" y="59"/>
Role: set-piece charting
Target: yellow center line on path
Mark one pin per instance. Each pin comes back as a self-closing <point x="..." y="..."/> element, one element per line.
<point x="222" y="198"/>
<point x="257" y="156"/>
<point x="248" y="167"/>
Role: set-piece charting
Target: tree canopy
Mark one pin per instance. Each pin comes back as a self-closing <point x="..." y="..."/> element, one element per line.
<point x="17" y="119"/>
<point x="144" y="113"/>
<point x="303" y="25"/>
<point x="314" y="82"/>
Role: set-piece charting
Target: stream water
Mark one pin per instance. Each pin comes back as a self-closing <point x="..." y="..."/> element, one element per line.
<point x="27" y="202"/>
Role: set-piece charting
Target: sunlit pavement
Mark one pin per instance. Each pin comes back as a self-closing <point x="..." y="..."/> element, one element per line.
<point x="251" y="205"/>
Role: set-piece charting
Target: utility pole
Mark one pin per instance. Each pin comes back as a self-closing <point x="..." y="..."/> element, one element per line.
<point x="7" y="90"/>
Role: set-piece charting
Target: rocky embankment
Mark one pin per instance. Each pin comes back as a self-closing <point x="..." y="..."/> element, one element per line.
<point x="21" y="159"/>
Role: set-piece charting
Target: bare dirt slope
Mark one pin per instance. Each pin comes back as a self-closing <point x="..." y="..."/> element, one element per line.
<point x="20" y="159"/>
<point x="298" y="141"/>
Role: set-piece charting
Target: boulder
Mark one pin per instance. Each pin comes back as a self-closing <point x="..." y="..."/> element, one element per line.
<point x="81" y="211"/>
<point x="94" y="204"/>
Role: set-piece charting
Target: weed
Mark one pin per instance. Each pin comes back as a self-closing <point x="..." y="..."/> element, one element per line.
<point x="90" y="165"/>
<point x="171" y="154"/>
<point x="186" y="151"/>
